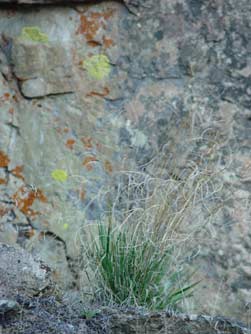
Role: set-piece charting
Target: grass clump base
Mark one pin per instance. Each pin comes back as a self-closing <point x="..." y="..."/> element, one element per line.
<point x="133" y="270"/>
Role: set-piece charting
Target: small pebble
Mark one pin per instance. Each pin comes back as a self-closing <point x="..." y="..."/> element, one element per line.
<point x="7" y="305"/>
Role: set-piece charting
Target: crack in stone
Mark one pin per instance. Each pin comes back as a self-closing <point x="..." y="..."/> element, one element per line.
<point x="59" y="239"/>
<point x="127" y="3"/>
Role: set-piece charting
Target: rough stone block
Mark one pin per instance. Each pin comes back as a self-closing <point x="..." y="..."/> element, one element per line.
<point x="43" y="69"/>
<point x="21" y="274"/>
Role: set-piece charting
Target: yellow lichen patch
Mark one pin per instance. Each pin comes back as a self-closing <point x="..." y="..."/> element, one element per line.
<point x="59" y="175"/>
<point x="97" y="66"/>
<point x="65" y="226"/>
<point x="34" y="34"/>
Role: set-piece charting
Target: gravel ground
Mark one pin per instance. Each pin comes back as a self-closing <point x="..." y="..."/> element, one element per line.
<point x="46" y="315"/>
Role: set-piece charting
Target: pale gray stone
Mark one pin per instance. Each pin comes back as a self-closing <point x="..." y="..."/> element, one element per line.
<point x="43" y="69"/>
<point x="7" y="305"/>
<point x="52" y="252"/>
<point x="21" y="274"/>
<point x="8" y="234"/>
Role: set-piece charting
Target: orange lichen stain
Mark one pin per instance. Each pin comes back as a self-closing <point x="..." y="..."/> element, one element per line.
<point x="88" y="162"/>
<point x="17" y="171"/>
<point x="70" y="143"/>
<point x="11" y="111"/>
<point x="3" y="211"/>
<point x="87" y="141"/>
<point x="90" y="25"/>
<point x="62" y="130"/>
<point x="108" y="42"/>
<point x="3" y="181"/>
<point x="105" y="92"/>
<point x="4" y="160"/>
<point x="106" y="15"/>
<point x="93" y="44"/>
<point x="6" y="96"/>
<point x="82" y="195"/>
<point x="108" y="166"/>
<point x="24" y="200"/>
<point x="30" y="233"/>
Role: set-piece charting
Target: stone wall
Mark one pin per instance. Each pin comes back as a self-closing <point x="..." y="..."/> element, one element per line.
<point x="87" y="90"/>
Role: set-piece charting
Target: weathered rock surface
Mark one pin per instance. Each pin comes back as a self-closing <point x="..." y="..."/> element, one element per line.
<point x="41" y="1"/>
<point x="47" y="71"/>
<point x="88" y="90"/>
<point x="21" y="274"/>
<point x="7" y="305"/>
<point x="131" y="323"/>
<point x="45" y="315"/>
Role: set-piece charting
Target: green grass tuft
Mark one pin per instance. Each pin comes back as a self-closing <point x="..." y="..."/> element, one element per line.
<point x="132" y="270"/>
<point x="140" y="260"/>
